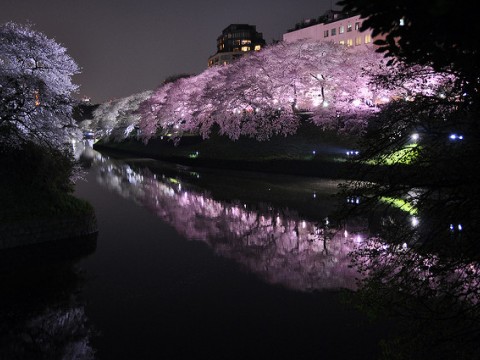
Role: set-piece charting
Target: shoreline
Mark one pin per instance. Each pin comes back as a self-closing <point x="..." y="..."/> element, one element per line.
<point x="309" y="167"/>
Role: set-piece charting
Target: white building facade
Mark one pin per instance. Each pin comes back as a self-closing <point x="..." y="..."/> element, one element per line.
<point x="344" y="31"/>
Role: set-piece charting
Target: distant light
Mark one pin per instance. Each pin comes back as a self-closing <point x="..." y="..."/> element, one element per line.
<point x="402" y="22"/>
<point x="314" y="195"/>
<point x="414" y="221"/>
<point x="314" y="152"/>
<point x="451" y="227"/>
<point x="352" y="152"/>
<point x="415" y="137"/>
<point x="356" y="102"/>
<point x="456" y="137"/>
<point x="325" y="104"/>
<point x="460" y="228"/>
<point x="345" y="233"/>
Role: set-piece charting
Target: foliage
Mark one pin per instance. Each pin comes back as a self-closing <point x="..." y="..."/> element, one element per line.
<point x="423" y="268"/>
<point x="37" y="183"/>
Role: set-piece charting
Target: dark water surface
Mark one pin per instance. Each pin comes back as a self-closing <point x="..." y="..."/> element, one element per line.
<point x="194" y="264"/>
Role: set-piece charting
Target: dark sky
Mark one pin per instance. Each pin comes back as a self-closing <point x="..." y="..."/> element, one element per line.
<point x="127" y="46"/>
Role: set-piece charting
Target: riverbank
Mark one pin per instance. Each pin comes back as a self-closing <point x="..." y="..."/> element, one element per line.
<point x="36" y="222"/>
<point x="37" y="202"/>
<point x="310" y="152"/>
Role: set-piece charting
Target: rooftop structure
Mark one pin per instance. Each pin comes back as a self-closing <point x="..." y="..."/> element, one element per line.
<point x="235" y="41"/>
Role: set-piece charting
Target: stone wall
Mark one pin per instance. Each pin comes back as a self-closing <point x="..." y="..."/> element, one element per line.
<point x="42" y="230"/>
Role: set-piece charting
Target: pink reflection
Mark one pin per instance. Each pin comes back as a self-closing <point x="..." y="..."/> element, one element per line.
<point x="281" y="249"/>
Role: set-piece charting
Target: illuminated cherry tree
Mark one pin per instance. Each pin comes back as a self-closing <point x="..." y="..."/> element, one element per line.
<point x="270" y="92"/>
<point x="35" y="87"/>
<point x="116" y="119"/>
<point x="265" y="93"/>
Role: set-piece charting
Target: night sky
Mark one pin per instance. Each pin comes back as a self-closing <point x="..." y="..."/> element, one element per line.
<point x="128" y="46"/>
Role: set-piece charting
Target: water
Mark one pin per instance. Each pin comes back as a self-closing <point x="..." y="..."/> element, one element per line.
<point x="193" y="263"/>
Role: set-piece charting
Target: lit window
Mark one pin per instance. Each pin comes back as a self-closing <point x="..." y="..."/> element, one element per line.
<point x="342" y="42"/>
<point x="341" y="30"/>
<point x="402" y="22"/>
<point x="325" y="33"/>
<point x="257" y="47"/>
<point x="357" y="26"/>
<point x="358" y="40"/>
<point x="245" y="48"/>
<point x="368" y="39"/>
<point x="334" y="32"/>
<point x="246" y="42"/>
<point x="350" y="42"/>
<point x="349" y="27"/>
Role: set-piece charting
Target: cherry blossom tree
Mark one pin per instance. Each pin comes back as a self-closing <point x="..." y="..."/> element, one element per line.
<point x="265" y="93"/>
<point x="35" y="88"/>
<point x="270" y="92"/>
<point x="116" y="119"/>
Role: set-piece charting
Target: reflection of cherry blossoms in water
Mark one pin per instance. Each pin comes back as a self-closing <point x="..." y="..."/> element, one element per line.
<point x="278" y="246"/>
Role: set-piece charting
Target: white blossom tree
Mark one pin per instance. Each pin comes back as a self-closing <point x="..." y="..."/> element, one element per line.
<point x="35" y="88"/>
<point x="116" y="119"/>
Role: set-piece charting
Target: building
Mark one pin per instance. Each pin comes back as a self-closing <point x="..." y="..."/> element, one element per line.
<point x="333" y="26"/>
<point x="236" y="40"/>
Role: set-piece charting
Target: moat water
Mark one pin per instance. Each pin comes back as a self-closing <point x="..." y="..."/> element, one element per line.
<point x="190" y="263"/>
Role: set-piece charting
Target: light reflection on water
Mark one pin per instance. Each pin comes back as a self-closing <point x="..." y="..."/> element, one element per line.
<point x="276" y="244"/>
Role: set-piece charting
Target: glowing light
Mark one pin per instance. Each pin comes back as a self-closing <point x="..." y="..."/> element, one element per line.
<point x="345" y="233"/>
<point x="415" y="137"/>
<point x="455" y="137"/>
<point x="314" y="152"/>
<point x="414" y="221"/>
<point x="356" y="102"/>
<point x="325" y="104"/>
<point x="460" y="228"/>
